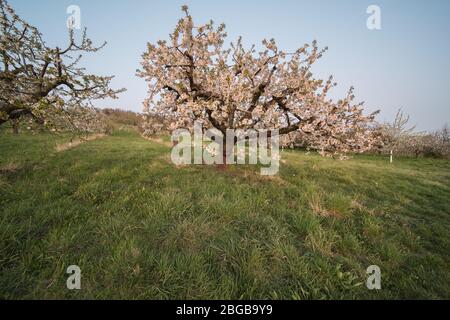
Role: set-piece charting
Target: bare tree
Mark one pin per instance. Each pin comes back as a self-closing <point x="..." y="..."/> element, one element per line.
<point x="397" y="132"/>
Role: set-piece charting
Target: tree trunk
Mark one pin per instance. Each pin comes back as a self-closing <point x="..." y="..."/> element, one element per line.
<point x="225" y="154"/>
<point x="15" y="126"/>
<point x="223" y="166"/>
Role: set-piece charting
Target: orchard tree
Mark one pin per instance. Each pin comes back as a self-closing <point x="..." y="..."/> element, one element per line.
<point x="194" y="77"/>
<point x="397" y="131"/>
<point x="41" y="82"/>
<point x="153" y="124"/>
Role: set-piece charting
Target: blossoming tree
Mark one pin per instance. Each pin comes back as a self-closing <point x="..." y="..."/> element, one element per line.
<point x="194" y="77"/>
<point x="45" y="83"/>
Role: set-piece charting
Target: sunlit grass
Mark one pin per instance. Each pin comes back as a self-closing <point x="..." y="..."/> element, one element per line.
<point x="139" y="227"/>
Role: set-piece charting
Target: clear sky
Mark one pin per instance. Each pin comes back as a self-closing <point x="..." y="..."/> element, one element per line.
<point x="404" y="65"/>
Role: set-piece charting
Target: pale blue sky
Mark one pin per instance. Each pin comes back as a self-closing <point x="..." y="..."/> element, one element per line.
<point x="406" y="64"/>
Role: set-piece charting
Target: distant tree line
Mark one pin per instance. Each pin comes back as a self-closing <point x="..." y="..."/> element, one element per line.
<point x="402" y="139"/>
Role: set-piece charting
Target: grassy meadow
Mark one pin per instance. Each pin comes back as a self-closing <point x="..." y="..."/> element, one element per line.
<point x="141" y="228"/>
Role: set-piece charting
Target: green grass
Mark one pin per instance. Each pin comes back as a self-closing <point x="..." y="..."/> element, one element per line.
<point x="141" y="228"/>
